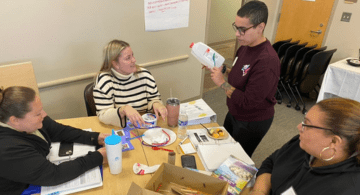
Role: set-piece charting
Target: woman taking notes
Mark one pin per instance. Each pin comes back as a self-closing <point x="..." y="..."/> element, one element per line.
<point x="123" y="89"/>
<point x="26" y="133"/>
<point x="322" y="159"/>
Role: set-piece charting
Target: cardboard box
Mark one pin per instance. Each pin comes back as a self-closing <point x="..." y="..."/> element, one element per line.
<point x="135" y="189"/>
<point x="169" y="176"/>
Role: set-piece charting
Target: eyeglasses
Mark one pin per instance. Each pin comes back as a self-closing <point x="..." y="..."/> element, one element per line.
<point x="241" y="29"/>
<point x="311" y="126"/>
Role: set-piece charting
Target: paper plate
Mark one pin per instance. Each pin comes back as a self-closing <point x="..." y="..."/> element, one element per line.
<point x="226" y="134"/>
<point x="157" y="134"/>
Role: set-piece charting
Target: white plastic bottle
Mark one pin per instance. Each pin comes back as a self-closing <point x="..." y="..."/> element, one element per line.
<point x="183" y="122"/>
<point x="206" y="55"/>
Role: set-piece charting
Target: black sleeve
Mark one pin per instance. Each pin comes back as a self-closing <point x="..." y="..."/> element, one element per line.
<point x="268" y="164"/>
<point x="58" y="132"/>
<point x="25" y="164"/>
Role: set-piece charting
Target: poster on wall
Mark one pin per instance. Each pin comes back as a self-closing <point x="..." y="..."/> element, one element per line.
<point x="166" y="14"/>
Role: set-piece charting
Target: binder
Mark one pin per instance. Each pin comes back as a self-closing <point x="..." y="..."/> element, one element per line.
<point x="198" y="111"/>
<point x="212" y="155"/>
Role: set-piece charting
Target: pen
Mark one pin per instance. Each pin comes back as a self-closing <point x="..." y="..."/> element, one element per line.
<point x="183" y="140"/>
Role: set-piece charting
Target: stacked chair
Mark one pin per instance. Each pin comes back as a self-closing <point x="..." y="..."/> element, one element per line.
<point x="277" y="45"/>
<point x="301" y="69"/>
<point x="281" y="48"/>
<point x="296" y="55"/>
<point x="310" y="73"/>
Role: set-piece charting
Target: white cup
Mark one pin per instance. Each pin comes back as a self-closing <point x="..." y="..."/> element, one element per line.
<point x="114" y="153"/>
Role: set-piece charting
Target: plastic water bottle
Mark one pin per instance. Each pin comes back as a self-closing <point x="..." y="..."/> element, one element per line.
<point x="206" y="55"/>
<point x="183" y="122"/>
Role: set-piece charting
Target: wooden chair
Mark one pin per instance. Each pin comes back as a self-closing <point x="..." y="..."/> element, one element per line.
<point x="20" y="74"/>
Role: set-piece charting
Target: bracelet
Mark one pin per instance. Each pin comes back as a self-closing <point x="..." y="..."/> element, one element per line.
<point x="223" y="70"/>
<point x="258" y="191"/>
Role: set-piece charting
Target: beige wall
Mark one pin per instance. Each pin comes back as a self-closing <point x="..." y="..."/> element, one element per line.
<point x="344" y="35"/>
<point x="222" y="15"/>
<point x="64" y="39"/>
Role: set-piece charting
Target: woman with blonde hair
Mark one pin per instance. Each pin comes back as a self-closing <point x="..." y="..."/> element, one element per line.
<point x="323" y="159"/>
<point x="123" y="89"/>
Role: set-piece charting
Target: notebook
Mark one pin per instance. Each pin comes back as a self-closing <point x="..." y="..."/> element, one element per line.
<point x="212" y="155"/>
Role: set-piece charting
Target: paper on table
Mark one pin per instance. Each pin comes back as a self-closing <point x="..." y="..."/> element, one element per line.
<point x="89" y="179"/>
<point x="79" y="150"/>
<point x="205" y="138"/>
<point x="221" y="152"/>
<point x="188" y="148"/>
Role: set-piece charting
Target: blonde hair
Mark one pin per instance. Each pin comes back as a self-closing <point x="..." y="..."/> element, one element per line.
<point x="343" y="117"/>
<point x="112" y="51"/>
<point x="15" y="101"/>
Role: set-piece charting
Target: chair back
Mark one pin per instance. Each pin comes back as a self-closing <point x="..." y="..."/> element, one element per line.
<point x="277" y="45"/>
<point x="313" y="70"/>
<point x="89" y="100"/>
<point x="299" y="67"/>
<point x="20" y="74"/>
<point x="286" y="64"/>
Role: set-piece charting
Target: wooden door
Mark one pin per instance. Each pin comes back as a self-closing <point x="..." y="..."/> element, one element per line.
<point x="304" y="20"/>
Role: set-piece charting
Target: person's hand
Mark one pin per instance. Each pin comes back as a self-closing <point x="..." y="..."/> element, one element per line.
<point x="103" y="153"/>
<point x="217" y="76"/>
<point x="102" y="137"/>
<point x="160" y="109"/>
<point x="134" y="116"/>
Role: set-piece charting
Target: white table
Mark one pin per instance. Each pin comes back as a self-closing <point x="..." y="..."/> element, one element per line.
<point x="342" y="80"/>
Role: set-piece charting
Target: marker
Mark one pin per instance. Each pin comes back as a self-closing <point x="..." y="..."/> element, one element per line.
<point x="183" y="140"/>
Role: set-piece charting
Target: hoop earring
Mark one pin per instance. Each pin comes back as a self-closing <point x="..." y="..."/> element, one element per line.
<point x="328" y="159"/>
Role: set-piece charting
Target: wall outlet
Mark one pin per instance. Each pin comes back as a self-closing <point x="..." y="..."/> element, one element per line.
<point x="346" y="17"/>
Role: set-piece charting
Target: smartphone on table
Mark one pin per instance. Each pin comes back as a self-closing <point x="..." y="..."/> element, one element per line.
<point x="66" y="148"/>
<point x="188" y="161"/>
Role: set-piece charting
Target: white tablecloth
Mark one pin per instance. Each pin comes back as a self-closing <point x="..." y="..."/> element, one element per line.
<point x="341" y="79"/>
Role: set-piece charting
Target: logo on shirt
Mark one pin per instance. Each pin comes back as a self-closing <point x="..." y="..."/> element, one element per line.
<point x="245" y="69"/>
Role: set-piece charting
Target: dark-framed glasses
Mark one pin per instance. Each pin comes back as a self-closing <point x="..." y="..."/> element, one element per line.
<point x="241" y="29"/>
<point x="303" y="125"/>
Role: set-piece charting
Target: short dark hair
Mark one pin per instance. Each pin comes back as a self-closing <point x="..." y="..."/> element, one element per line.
<point x="256" y="11"/>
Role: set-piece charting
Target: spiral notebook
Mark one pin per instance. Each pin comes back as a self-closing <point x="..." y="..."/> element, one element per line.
<point x="212" y="155"/>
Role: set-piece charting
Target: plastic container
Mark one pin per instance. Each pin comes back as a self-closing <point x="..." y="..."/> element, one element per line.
<point x="150" y="120"/>
<point x="183" y="122"/>
<point x="173" y="107"/>
<point x="114" y="153"/>
<point x="206" y="55"/>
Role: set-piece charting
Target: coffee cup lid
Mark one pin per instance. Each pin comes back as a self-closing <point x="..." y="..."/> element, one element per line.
<point x="113" y="139"/>
<point x="173" y="101"/>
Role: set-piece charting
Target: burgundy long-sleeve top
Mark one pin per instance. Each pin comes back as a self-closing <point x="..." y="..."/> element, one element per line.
<point x="255" y="76"/>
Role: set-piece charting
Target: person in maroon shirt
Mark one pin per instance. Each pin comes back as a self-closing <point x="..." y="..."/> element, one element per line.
<point x="253" y="79"/>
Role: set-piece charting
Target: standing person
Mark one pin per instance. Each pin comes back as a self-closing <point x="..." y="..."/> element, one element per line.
<point x="26" y="133"/>
<point x="253" y="79"/>
<point x="123" y="89"/>
<point x="323" y="159"/>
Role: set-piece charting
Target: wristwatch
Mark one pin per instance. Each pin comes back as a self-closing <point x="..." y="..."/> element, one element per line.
<point x="223" y="70"/>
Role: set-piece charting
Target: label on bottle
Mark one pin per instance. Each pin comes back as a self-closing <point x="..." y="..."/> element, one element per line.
<point x="183" y="123"/>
